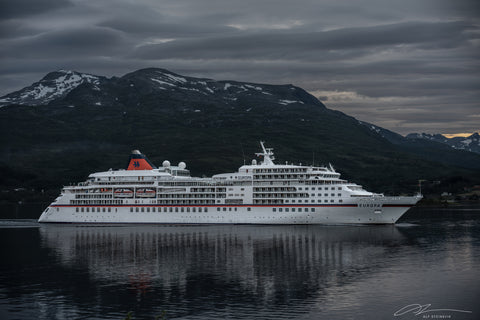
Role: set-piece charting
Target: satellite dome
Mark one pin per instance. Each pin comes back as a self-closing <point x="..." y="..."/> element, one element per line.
<point x="166" y="164"/>
<point x="254" y="162"/>
<point x="182" y="165"/>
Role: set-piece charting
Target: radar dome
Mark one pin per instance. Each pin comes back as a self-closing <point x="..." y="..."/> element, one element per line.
<point x="166" y="164"/>
<point x="182" y="165"/>
<point x="254" y="162"/>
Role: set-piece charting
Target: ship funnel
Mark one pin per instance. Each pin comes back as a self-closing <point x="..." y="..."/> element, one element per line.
<point x="139" y="161"/>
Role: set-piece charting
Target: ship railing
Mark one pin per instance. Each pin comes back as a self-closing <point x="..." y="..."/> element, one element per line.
<point x="124" y="182"/>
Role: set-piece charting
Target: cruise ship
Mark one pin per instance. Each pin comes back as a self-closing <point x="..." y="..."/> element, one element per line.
<point x="259" y="193"/>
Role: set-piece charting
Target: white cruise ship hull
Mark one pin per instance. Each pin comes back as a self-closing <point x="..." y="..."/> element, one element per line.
<point x="384" y="210"/>
<point x="264" y="193"/>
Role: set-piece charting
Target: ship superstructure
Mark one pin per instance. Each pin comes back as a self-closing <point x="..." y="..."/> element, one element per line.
<point x="260" y="193"/>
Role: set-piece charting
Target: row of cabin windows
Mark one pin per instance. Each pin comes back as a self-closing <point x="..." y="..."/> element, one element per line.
<point x="293" y="209"/>
<point x="274" y="189"/>
<point x="95" y="202"/>
<point x="313" y="201"/>
<point x="190" y="195"/>
<point x="229" y="209"/>
<point x="186" y="202"/>
<point x="87" y="209"/>
<point x="279" y="170"/>
<point x="93" y="196"/>
<point x="168" y="209"/>
<point x="268" y="201"/>
<point x="278" y="176"/>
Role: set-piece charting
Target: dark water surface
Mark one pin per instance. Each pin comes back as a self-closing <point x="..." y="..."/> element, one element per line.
<point x="244" y="272"/>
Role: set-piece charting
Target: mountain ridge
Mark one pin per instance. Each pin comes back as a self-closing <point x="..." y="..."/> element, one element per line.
<point x="470" y="143"/>
<point x="212" y="125"/>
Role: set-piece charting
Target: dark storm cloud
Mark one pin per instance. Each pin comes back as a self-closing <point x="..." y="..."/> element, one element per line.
<point x="23" y="8"/>
<point x="162" y="29"/>
<point x="387" y="62"/>
<point x="74" y="42"/>
<point x="275" y="45"/>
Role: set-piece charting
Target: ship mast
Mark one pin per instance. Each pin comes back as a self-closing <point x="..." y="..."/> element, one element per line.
<point x="267" y="155"/>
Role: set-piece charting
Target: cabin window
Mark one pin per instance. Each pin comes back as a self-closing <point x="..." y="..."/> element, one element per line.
<point x="274" y="209"/>
<point x="312" y="209"/>
<point x="76" y="209"/>
<point x="176" y="209"/>
<point x="143" y="209"/>
<point x="280" y="209"/>
<point x="293" y="209"/>
<point x="131" y="209"/>
<point x="299" y="209"/>
<point x="249" y="209"/>
<point x="224" y="209"/>
<point x="137" y="209"/>
<point x="82" y="209"/>
<point x="88" y="209"/>
<point x="218" y="209"/>
<point x="109" y="209"/>
<point x="287" y="209"/>
<point x="205" y="209"/>
<point x="194" y="210"/>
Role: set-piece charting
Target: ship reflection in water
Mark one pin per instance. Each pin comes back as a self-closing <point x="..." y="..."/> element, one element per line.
<point x="276" y="270"/>
<point x="50" y="271"/>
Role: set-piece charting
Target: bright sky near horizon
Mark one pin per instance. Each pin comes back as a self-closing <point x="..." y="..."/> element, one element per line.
<point x="408" y="66"/>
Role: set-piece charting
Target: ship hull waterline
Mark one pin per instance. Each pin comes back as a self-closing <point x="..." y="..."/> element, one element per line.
<point x="352" y="214"/>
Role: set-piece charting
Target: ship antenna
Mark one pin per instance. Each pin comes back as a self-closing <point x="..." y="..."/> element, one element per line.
<point x="420" y="185"/>
<point x="267" y="154"/>
<point x="243" y="153"/>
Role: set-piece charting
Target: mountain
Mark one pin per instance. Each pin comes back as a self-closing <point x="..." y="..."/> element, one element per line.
<point x="55" y="85"/>
<point x="70" y="124"/>
<point x="470" y="143"/>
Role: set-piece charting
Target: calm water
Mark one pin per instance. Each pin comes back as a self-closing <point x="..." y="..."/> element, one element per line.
<point x="243" y="272"/>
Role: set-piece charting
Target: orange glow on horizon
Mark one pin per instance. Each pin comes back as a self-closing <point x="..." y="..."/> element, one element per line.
<point x="453" y="135"/>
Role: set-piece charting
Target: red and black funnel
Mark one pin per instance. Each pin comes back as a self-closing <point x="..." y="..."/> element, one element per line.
<point x="138" y="161"/>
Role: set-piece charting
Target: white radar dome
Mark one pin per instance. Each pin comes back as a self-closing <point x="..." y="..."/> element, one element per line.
<point x="254" y="162"/>
<point x="182" y="165"/>
<point x="166" y="164"/>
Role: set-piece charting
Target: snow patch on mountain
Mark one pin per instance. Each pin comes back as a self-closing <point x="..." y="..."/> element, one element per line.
<point x="285" y="102"/>
<point x="54" y="85"/>
<point x="470" y="143"/>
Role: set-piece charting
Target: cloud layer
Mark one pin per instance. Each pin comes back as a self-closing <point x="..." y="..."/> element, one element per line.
<point x="407" y="66"/>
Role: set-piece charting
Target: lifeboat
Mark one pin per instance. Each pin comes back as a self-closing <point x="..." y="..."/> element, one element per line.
<point x="123" y="193"/>
<point x="145" y="193"/>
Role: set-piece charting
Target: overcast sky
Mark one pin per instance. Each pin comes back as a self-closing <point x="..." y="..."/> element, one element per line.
<point x="408" y="66"/>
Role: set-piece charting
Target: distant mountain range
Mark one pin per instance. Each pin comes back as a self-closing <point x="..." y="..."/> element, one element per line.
<point x="70" y="124"/>
<point x="470" y="143"/>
